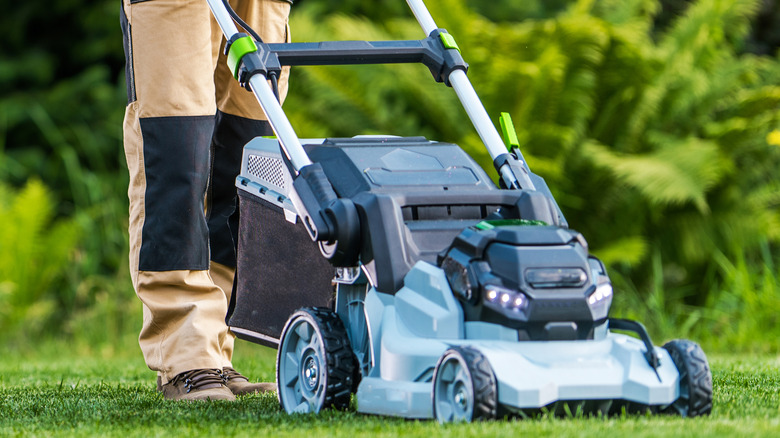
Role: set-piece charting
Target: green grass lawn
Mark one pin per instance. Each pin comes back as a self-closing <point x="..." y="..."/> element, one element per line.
<point x="68" y="393"/>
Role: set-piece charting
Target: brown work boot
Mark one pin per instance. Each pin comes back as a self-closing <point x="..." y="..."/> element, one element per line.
<point x="205" y="384"/>
<point x="240" y="385"/>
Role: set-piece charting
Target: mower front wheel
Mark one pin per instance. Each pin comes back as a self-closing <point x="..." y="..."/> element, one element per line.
<point x="695" y="379"/>
<point x="314" y="365"/>
<point x="464" y="387"/>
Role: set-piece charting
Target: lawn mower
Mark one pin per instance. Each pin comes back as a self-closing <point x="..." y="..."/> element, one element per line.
<point x="395" y="269"/>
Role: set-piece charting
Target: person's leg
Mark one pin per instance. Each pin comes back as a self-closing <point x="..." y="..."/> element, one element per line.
<point x="168" y="126"/>
<point x="239" y="119"/>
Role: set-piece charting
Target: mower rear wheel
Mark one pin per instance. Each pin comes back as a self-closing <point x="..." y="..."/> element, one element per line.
<point x="464" y="387"/>
<point x="695" y="379"/>
<point x="314" y="365"/>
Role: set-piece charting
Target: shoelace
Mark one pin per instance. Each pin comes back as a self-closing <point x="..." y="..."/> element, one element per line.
<point x="229" y="373"/>
<point x="200" y="379"/>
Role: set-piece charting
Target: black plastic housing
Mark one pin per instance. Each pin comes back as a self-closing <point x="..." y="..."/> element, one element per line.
<point x="503" y="256"/>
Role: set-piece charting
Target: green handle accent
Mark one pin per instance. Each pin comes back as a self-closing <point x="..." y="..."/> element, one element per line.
<point x="448" y="41"/>
<point x="508" y="129"/>
<point x="238" y="49"/>
<point x="489" y="225"/>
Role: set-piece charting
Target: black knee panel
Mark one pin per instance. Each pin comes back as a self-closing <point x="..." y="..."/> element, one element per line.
<point x="176" y="166"/>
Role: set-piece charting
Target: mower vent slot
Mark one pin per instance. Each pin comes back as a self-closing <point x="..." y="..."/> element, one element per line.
<point x="270" y="170"/>
<point x="446" y="212"/>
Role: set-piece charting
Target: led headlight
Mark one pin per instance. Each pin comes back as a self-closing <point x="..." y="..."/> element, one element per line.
<point x="602" y="293"/>
<point x="506" y="298"/>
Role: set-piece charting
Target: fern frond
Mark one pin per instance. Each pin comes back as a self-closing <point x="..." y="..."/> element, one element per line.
<point x="629" y="251"/>
<point x="35" y="250"/>
<point x="678" y="173"/>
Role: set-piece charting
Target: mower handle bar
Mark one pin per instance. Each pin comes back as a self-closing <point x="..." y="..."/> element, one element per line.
<point x="471" y="103"/>
<point x="291" y="145"/>
<point x="284" y="131"/>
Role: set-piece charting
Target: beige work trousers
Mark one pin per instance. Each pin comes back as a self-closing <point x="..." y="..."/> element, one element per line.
<point x="177" y="81"/>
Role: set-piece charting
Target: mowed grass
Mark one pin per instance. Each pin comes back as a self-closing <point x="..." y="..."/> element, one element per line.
<point x="66" y="393"/>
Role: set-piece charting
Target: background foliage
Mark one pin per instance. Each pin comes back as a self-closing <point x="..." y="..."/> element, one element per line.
<point x="655" y="123"/>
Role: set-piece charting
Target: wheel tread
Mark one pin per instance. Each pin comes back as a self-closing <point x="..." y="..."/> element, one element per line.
<point x="695" y="372"/>
<point x="484" y="385"/>
<point x="338" y="357"/>
<point x="340" y="360"/>
<point x="484" y="382"/>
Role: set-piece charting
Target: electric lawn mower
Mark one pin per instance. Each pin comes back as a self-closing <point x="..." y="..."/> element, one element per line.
<point x="394" y="267"/>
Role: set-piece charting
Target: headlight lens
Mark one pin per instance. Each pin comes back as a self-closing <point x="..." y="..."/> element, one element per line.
<point x="602" y="293"/>
<point x="458" y="277"/>
<point x="506" y="298"/>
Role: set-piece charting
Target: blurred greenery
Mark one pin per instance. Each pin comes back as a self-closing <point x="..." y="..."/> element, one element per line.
<point x="656" y="124"/>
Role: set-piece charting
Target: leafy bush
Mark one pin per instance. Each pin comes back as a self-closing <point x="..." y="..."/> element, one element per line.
<point x="36" y="254"/>
<point x="61" y="108"/>
<point x="45" y="286"/>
